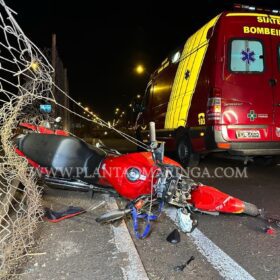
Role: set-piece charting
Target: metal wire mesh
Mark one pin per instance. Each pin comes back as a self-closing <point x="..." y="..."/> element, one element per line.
<point x="25" y="78"/>
<point x="25" y="82"/>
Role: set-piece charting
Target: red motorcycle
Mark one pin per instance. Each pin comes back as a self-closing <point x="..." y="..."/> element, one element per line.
<point x="146" y="179"/>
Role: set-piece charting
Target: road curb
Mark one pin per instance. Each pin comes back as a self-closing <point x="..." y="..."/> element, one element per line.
<point x="134" y="268"/>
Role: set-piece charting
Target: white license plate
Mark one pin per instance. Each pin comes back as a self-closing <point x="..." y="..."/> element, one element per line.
<point x="253" y="134"/>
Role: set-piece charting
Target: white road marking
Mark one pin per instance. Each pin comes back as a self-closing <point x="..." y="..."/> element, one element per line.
<point x="134" y="269"/>
<point x="224" y="264"/>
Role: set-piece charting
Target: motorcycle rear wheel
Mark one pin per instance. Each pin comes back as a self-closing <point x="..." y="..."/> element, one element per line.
<point x="251" y="209"/>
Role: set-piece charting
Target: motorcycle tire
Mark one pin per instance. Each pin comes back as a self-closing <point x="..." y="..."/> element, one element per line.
<point x="251" y="209"/>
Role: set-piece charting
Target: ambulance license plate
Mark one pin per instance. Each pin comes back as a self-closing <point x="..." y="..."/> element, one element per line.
<point x="248" y="134"/>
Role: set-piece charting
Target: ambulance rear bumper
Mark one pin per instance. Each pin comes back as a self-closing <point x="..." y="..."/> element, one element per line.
<point x="267" y="148"/>
<point x="255" y="149"/>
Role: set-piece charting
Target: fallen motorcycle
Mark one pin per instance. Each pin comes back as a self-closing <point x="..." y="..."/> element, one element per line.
<point x="146" y="179"/>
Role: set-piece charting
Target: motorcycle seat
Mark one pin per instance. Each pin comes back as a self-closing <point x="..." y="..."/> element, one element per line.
<point x="67" y="157"/>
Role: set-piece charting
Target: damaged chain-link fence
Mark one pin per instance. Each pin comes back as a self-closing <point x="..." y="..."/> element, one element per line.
<point x="25" y="79"/>
<point x="25" y="82"/>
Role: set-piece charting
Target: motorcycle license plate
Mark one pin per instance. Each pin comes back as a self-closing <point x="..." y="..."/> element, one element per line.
<point x="248" y="134"/>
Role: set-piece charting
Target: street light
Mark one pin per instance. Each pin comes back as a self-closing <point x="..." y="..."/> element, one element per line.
<point x="34" y="65"/>
<point x="140" y="69"/>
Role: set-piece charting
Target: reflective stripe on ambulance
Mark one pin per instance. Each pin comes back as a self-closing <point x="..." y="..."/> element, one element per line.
<point x="184" y="87"/>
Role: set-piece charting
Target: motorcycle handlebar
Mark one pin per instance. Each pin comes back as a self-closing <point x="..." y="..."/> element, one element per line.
<point x="152" y="132"/>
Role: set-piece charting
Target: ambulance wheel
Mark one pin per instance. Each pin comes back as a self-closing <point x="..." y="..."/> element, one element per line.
<point x="185" y="154"/>
<point x="251" y="209"/>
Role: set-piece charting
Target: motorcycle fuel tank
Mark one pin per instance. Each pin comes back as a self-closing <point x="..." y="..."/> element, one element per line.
<point x="132" y="175"/>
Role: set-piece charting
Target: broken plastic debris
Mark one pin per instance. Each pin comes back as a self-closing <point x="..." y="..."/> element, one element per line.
<point x="185" y="221"/>
<point x="57" y="216"/>
<point x="174" y="237"/>
<point x="270" y="230"/>
<point x="182" y="267"/>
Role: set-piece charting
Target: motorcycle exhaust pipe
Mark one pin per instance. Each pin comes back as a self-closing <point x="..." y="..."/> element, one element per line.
<point x="112" y="216"/>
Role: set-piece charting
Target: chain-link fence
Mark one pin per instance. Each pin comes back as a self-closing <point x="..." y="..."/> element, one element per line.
<point x="25" y="78"/>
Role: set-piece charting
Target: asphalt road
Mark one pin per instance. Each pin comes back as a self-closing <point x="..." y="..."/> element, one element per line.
<point x="224" y="246"/>
<point x="240" y="237"/>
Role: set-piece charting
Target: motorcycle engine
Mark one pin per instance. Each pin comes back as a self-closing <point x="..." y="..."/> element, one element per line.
<point x="173" y="186"/>
<point x="178" y="191"/>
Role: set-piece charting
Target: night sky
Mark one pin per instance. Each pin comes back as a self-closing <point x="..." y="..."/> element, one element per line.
<point x="100" y="43"/>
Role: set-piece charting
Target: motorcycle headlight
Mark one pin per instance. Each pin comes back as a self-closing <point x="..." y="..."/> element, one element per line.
<point x="133" y="174"/>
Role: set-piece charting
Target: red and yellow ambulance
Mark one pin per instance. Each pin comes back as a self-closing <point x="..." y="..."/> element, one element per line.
<point x="221" y="90"/>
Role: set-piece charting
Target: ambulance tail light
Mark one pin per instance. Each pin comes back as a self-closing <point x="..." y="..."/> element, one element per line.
<point x="224" y="146"/>
<point x="216" y="92"/>
<point x="214" y="105"/>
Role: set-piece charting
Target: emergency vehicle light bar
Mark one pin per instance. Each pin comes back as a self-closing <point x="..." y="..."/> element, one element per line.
<point x="253" y="8"/>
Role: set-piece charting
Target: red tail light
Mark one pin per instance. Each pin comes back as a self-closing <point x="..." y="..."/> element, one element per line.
<point x="214" y="105"/>
<point x="216" y="92"/>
